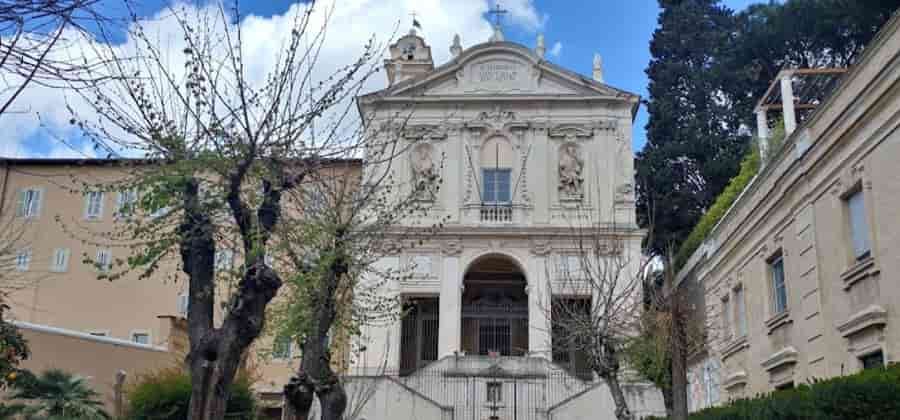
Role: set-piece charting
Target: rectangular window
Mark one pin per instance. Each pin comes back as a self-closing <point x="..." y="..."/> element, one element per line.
<point x="29" y="202"/>
<point x="104" y="260"/>
<point x="183" y="304"/>
<point x="140" y="337"/>
<point x="873" y="360"/>
<point x="496" y="185"/>
<point x="779" y="289"/>
<point x="224" y="259"/>
<point x="99" y="333"/>
<point x="281" y="348"/>
<point x="418" y="334"/>
<point x="859" y="225"/>
<point x="126" y="203"/>
<point x="740" y="311"/>
<point x="726" y="318"/>
<point x="23" y="259"/>
<point x="93" y="206"/>
<point x="60" y="261"/>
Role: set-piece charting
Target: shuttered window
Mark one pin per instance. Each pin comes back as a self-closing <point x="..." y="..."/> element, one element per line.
<point x="29" y="203"/>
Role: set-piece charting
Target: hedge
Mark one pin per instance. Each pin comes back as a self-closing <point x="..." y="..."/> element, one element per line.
<point x="166" y="394"/>
<point x="869" y="395"/>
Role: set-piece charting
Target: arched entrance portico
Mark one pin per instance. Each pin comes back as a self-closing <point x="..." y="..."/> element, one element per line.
<point x="494" y="312"/>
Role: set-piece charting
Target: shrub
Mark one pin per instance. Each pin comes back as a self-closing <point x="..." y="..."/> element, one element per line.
<point x="166" y="395"/>
<point x="868" y="395"/>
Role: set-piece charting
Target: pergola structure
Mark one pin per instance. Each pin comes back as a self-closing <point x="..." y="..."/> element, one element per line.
<point x="794" y="92"/>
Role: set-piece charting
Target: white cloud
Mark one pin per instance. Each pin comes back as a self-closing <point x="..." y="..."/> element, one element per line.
<point x="556" y="50"/>
<point x="44" y="118"/>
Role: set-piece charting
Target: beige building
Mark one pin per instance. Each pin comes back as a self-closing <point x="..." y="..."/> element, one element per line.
<point x="799" y="277"/>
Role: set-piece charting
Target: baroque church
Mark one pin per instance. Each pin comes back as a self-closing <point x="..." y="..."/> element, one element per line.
<point x="530" y="155"/>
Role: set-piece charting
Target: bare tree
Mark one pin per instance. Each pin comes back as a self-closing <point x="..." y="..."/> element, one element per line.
<point x="597" y="304"/>
<point x="351" y="219"/>
<point x="670" y="331"/>
<point x="223" y="153"/>
<point x="33" y="31"/>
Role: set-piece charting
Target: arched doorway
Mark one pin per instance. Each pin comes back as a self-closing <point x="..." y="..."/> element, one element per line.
<point x="494" y="307"/>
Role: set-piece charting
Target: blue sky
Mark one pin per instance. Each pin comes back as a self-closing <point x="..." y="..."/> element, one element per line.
<point x="620" y="30"/>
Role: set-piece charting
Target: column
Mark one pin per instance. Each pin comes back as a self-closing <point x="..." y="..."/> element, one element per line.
<point x="450" y="306"/>
<point x="538" y="308"/>
<point x="787" y="102"/>
<point x="762" y="132"/>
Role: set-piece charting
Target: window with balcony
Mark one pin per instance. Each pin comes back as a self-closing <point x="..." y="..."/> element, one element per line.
<point x="496" y="180"/>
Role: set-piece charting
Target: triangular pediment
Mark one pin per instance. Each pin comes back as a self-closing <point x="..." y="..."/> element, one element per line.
<point x="501" y="68"/>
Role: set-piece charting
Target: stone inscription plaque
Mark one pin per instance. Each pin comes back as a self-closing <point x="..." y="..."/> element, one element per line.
<point x="497" y="72"/>
<point x="498" y="75"/>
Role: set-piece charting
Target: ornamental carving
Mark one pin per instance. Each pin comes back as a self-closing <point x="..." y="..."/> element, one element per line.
<point x="571" y="168"/>
<point x="424" y="171"/>
<point x="452" y="248"/>
<point x="570" y="132"/>
<point x="496" y="115"/>
<point x="425" y="131"/>
<point x="541" y="247"/>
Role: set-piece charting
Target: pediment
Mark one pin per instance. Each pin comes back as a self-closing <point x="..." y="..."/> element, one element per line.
<point x="501" y="68"/>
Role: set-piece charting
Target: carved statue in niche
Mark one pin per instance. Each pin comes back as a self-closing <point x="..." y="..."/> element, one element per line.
<point x="571" y="166"/>
<point x="424" y="171"/>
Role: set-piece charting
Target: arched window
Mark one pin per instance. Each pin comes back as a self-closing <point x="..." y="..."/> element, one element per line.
<point x="496" y="171"/>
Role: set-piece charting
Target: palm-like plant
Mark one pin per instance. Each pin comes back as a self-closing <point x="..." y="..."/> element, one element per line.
<point x="57" y="394"/>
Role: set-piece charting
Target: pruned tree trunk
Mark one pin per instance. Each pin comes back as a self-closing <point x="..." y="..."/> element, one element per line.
<point x="314" y="376"/>
<point x="216" y="353"/>
<point x="618" y="395"/>
<point x="679" y="361"/>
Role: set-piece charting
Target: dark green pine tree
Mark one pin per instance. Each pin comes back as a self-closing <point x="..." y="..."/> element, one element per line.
<point x="693" y="142"/>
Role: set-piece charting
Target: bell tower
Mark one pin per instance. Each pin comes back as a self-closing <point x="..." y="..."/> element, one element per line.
<point x="410" y="57"/>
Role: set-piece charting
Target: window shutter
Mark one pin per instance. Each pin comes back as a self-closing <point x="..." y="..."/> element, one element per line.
<point x="20" y="207"/>
<point x="38" y="201"/>
<point x="120" y="201"/>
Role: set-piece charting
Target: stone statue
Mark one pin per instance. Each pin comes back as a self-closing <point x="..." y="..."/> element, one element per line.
<point x="424" y="171"/>
<point x="570" y="171"/>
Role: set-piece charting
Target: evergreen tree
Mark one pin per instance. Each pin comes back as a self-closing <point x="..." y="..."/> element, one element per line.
<point x="693" y="145"/>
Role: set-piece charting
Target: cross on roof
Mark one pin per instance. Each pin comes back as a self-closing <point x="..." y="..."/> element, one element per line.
<point x="497" y="12"/>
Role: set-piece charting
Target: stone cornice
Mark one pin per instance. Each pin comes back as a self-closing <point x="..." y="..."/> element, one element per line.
<point x="872" y="316"/>
<point x="735" y="379"/>
<point x="785" y="356"/>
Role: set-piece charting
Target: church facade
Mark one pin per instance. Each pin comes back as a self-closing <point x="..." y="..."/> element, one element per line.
<point x="516" y="158"/>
